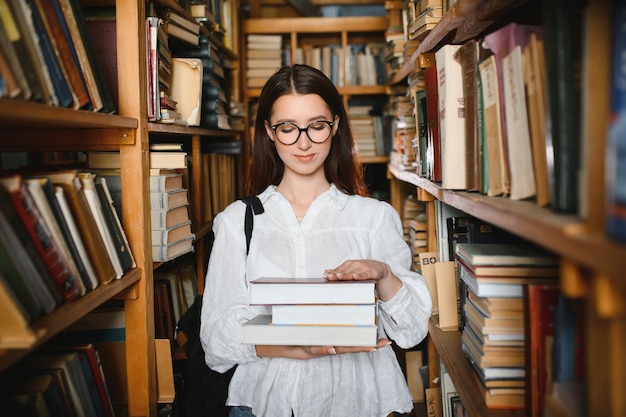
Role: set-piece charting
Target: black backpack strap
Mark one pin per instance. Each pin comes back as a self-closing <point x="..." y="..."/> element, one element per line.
<point x="253" y="205"/>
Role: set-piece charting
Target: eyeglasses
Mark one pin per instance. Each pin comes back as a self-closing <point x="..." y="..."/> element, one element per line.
<point x="288" y="133"/>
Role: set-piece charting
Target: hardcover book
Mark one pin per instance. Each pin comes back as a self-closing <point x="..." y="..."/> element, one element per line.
<point x="261" y="331"/>
<point x="310" y="291"/>
<point x="451" y="119"/>
<point x="330" y="314"/>
<point x="505" y="254"/>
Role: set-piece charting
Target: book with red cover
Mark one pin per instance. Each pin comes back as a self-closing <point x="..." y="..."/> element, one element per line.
<point x="540" y="303"/>
<point x="47" y="248"/>
<point x="433" y="144"/>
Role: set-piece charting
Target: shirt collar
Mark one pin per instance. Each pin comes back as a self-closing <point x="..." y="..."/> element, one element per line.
<point x="338" y="197"/>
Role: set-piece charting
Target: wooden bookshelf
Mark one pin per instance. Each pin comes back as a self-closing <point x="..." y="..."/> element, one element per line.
<point x="592" y="264"/>
<point x="32" y="127"/>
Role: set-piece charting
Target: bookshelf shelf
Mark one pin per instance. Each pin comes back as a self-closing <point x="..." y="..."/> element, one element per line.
<point x="591" y="263"/>
<point x="314" y="25"/>
<point x="52" y="324"/>
<point x="448" y="345"/>
<point x="16" y="114"/>
<point x="165" y="129"/>
<point x="353" y="90"/>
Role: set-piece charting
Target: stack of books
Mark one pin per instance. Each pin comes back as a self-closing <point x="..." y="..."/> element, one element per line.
<point x="172" y="234"/>
<point x="313" y="312"/>
<point x="214" y="108"/>
<point x="495" y="325"/>
<point x="367" y="130"/>
<point x="265" y="57"/>
<point x="180" y="27"/>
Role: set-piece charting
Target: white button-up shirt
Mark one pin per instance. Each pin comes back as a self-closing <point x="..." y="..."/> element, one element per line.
<point x="337" y="227"/>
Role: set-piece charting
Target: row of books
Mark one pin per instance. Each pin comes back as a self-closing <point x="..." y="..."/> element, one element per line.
<point x="46" y="56"/>
<point x="175" y="290"/>
<point x="313" y="311"/>
<point x="171" y="227"/>
<point x="362" y="64"/>
<point x="483" y="120"/>
<point x="61" y="238"/>
<point x="64" y="380"/>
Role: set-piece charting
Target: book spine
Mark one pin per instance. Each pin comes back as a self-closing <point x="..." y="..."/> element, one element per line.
<point x="79" y="260"/>
<point x="89" y="230"/>
<point x="114" y="225"/>
<point x="47" y="247"/>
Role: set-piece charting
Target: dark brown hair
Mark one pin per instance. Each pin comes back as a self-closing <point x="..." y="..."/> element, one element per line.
<point x="341" y="167"/>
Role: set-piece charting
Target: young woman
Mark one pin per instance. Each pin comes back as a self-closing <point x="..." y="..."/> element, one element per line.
<point x="317" y="222"/>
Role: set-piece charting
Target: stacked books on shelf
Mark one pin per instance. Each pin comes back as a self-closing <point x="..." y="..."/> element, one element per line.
<point x="61" y="238"/>
<point x="46" y="56"/>
<point x="313" y="311"/>
<point x="162" y="25"/>
<point x="264" y="56"/>
<point x="367" y="129"/>
<point x="172" y="234"/>
<point x="425" y="16"/>
<point x="499" y="330"/>
<point x="204" y="87"/>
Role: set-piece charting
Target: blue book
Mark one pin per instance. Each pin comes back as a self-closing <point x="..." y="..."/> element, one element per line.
<point x="57" y="77"/>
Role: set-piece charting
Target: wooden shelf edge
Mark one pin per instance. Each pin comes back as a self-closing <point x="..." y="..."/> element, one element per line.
<point x="60" y="319"/>
<point x="374" y="159"/>
<point x="24" y="114"/>
<point x="448" y="345"/>
<point x="350" y="90"/>
<point x="315" y="24"/>
<point x="168" y="129"/>
<point x="563" y="234"/>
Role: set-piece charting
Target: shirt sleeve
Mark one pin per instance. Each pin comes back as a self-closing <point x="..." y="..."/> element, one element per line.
<point x="225" y="305"/>
<point x="405" y="316"/>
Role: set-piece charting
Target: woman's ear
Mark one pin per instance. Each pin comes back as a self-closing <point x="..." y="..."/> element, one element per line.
<point x="269" y="130"/>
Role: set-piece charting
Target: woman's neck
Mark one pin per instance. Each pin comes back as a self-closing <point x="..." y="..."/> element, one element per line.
<point x="301" y="194"/>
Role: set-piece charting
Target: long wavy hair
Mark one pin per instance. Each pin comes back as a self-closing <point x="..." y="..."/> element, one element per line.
<point x="341" y="167"/>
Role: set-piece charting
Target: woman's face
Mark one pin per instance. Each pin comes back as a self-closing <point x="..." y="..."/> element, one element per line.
<point x="302" y="127"/>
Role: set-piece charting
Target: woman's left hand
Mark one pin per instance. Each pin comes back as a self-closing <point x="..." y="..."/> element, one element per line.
<point x="387" y="284"/>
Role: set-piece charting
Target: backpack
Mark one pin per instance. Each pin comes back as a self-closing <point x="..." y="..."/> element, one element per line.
<point x="202" y="392"/>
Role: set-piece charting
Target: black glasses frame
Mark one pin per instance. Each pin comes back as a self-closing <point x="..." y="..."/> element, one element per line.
<point x="305" y="130"/>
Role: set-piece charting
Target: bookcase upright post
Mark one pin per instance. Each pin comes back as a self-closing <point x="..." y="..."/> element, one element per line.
<point x="140" y="349"/>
